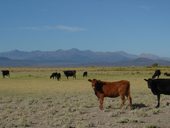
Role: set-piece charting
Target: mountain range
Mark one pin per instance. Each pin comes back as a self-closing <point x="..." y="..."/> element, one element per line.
<point x="76" y="57"/>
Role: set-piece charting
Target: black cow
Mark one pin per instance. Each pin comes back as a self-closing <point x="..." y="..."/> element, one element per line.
<point x="156" y="74"/>
<point x="84" y="74"/>
<point x="70" y="73"/>
<point x="158" y="87"/>
<point x="5" y="73"/>
<point x="167" y="74"/>
<point x="55" y="75"/>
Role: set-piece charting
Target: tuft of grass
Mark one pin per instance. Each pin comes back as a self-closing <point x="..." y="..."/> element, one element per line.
<point x="124" y="120"/>
<point x="156" y="111"/>
<point x="152" y="126"/>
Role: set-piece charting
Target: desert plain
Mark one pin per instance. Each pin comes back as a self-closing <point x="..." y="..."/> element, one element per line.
<point x="30" y="99"/>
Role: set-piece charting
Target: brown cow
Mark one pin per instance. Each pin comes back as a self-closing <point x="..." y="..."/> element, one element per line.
<point x="111" y="89"/>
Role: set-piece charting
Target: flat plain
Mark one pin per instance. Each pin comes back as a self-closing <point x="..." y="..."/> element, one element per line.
<point x="29" y="98"/>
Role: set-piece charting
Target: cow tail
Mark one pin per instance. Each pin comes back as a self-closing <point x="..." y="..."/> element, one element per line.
<point x="129" y="96"/>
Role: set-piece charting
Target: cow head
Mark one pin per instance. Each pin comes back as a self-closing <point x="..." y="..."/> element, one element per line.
<point x="94" y="81"/>
<point x="97" y="85"/>
<point x="149" y="82"/>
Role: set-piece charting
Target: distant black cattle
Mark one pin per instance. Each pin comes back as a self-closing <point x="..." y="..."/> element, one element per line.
<point x="55" y="75"/>
<point x="167" y="74"/>
<point x="158" y="87"/>
<point x="156" y="74"/>
<point x="84" y="74"/>
<point x="70" y="73"/>
<point x="5" y="73"/>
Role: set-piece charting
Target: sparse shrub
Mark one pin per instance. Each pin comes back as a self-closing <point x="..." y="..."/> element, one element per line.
<point x="135" y="121"/>
<point x="141" y="113"/>
<point x="91" y="124"/>
<point x="152" y="126"/>
<point x="156" y="111"/>
<point x="123" y="121"/>
<point x="167" y="104"/>
<point x="30" y="75"/>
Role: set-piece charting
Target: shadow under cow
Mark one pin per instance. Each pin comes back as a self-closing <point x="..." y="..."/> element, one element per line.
<point x="138" y="106"/>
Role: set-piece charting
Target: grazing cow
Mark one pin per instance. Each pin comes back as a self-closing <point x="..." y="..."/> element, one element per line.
<point x="5" y="73"/>
<point x="156" y="74"/>
<point x="167" y="74"/>
<point x="55" y="75"/>
<point x="158" y="87"/>
<point x="84" y="74"/>
<point x="70" y="73"/>
<point x="111" y="89"/>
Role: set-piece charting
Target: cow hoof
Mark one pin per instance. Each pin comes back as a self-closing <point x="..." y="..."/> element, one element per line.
<point x="101" y="108"/>
<point x="157" y="107"/>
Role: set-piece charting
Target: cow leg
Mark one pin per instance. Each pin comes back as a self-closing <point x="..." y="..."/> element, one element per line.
<point x="123" y="101"/>
<point x="130" y="102"/>
<point x="101" y="99"/>
<point x="158" y="98"/>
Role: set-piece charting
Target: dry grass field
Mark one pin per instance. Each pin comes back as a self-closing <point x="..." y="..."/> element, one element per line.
<point x="29" y="98"/>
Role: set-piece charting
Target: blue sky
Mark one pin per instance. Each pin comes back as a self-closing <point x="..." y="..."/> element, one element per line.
<point x="133" y="26"/>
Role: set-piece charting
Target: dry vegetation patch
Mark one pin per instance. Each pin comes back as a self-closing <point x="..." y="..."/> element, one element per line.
<point x="30" y="99"/>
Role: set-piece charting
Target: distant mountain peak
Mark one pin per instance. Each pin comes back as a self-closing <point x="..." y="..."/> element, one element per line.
<point x="76" y="57"/>
<point x="149" y="56"/>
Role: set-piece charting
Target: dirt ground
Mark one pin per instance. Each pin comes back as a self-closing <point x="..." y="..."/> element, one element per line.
<point x="29" y="99"/>
<point x="80" y="111"/>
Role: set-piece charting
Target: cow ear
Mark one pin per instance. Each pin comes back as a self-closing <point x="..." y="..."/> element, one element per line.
<point x="89" y="80"/>
<point x="145" y="79"/>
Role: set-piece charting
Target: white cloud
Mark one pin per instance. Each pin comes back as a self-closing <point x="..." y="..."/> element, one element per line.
<point x="57" y="27"/>
<point x="70" y="29"/>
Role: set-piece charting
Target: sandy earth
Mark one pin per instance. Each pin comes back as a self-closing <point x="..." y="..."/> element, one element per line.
<point x="81" y="111"/>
